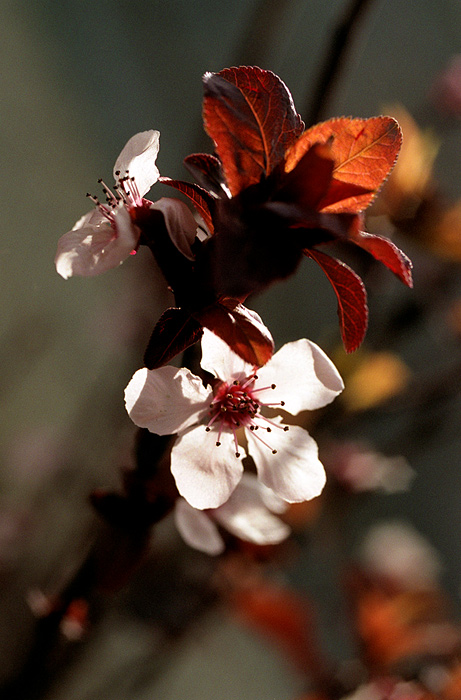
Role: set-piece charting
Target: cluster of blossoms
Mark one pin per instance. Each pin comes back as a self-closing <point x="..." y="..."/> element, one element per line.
<point x="272" y="194"/>
<point x="216" y="423"/>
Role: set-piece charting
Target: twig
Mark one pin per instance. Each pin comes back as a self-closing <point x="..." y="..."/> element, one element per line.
<point x="317" y="103"/>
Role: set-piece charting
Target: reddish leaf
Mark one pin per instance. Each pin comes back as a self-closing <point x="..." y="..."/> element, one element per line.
<point x="207" y="170"/>
<point x="250" y="115"/>
<point x="241" y="328"/>
<point x="200" y="198"/>
<point x="175" y="331"/>
<point x="386" y="252"/>
<point x="351" y="295"/>
<point x="285" y="618"/>
<point x="364" y="151"/>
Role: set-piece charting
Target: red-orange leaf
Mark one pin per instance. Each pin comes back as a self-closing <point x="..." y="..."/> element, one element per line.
<point x="364" y="151"/>
<point x="241" y="328"/>
<point x="250" y="115"/>
<point x="351" y="295"/>
<point x="200" y="198"/>
<point x="386" y="252"/>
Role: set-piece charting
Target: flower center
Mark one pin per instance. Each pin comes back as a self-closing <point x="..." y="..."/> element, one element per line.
<point x="126" y="191"/>
<point x="235" y="405"/>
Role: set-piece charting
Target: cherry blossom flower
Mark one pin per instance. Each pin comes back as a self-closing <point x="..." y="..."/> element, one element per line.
<point x="213" y="421"/>
<point x="105" y="237"/>
<point x="248" y="514"/>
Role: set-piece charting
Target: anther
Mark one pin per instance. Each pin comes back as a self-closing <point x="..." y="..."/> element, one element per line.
<point x="269" y="430"/>
<point x="282" y="403"/>
<point x="207" y="429"/>
<point x="274" y="452"/>
<point x="285" y="427"/>
<point x="237" y="454"/>
<point x="273" y="386"/>
<point x="218" y="444"/>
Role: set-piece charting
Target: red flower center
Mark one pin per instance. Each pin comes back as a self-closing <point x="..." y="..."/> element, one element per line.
<point x="235" y="405"/>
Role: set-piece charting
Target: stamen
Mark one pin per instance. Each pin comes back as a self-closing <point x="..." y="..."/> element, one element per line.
<point x="263" y="388"/>
<point x="264" y="443"/>
<point x="237" y="453"/>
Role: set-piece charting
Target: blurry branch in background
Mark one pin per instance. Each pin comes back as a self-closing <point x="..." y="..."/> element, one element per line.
<point x="316" y="105"/>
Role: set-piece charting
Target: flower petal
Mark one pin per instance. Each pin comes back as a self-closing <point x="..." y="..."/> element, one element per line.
<point x="166" y="400"/>
<point x="295" y="472"/>
<point x="180" y="224"/>
<point x="205" y="474"/>
<point x="304" y="376"/>
<point x="92" y="248"/>
<point x="246" y="516"/>
<point x="221" y="361"/>
<point x="197" y="529"/>
<point x="138" y="158"/>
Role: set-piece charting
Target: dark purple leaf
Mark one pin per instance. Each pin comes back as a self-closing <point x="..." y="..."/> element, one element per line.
<point x="175" y="331"/>
<point x="200" y="198"/>
<point x="207" y="171"/>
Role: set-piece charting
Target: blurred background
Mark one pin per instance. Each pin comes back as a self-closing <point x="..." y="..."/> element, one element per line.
<point x="77" y="80"/>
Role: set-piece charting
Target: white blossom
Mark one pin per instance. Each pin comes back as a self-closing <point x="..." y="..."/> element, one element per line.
<point x="212" y="422"/>
<point x="104" y="237"/>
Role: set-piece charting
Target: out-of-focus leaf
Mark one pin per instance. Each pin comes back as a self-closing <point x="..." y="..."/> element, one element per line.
<point x="250" y="115"/>
<point x="175" y="331"/>
<point x="351" y="295"/>
<point x="241" y="328"/>
<point x="200" y="198"/>
<point x="411" y="180"/>
<point x="285" y="618"/>
<point x="378" y="377"/>
<point x="386" y="252"/>
<point x="364" y="151"/>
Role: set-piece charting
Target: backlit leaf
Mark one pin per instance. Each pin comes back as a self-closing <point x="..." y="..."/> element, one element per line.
<point x="250" y="115"/>
<point x="351" y="295"/>
<point x="364" y="152"/>
<point x="386" y="252"/>
<point x="241" y="328"/>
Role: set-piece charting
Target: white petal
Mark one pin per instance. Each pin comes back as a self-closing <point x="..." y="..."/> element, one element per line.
<point x="304" y="376"/>
<point x="89" y="249"/>
<point x="166" y="400"/>
<point x="245" y="515"/>
<point x="272" y="500"/>
<point x="197" y="529"/>
<point x="205" y="474"/>
<point x="179" y="222"/>
<point x="93" y="218"/>
<point x="220" y="360"/>
<point x="295" y="472"/>
<point x="138" y="158"/>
